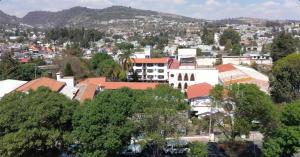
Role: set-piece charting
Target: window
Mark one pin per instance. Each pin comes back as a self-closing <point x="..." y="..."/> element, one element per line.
<point x="161" y="65"/>
<point x="185" y="86"/>
<point x="161" y="76"/>
<point x="179" y="86"/>
<point x="161" y="70"/>
<point x="192" y="77"/>
<point x="150" y="70"/>
<point x="138" y="70"/>
<point x="186" y="78"/>
<point x="172" y="84"/>
<point x="138" y="64"/>
<point x="172" y="75"/>
<point x="150" y="76"/>
<point x="179" y="77"/>
<point x="150" y="65"/>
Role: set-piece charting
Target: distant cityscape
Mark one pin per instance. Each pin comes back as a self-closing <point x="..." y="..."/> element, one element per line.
<point x="121" y="81"/>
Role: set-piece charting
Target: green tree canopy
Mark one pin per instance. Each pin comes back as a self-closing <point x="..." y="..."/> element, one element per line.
<point x="283" y="45"/>
<point x="249" y="106"/>
<point x="207" y="36"/>
<point x="230" y="34"/>
<point x="198" y="149"/>
<point x="102" y="127"/>
<point x="285" y="79"/>
<point x="35" y="124"/>
<point x="285" y="141"/>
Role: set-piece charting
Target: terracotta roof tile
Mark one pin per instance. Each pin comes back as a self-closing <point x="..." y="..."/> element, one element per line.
<point x="226" y="67"/>
<point x="151" y="60"/>
<point x="174" y="64"/>
<point x="131" y="85"/>
<point x="42" y="82"/>
<point x="87" y="91"/>
<point x="95" y="81"/>
<point x="198" y="90"/>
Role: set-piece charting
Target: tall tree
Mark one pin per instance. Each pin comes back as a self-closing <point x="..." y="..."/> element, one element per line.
<point x="207" y="36"/>
<point x="283" y="45"/>
<point x="68" y="71"/>
<point x="285" y="79"/>
<point x="102" y="127"/>
<point x="35" y="124"/>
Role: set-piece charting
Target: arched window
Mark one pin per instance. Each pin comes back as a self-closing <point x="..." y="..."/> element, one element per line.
<point x="185" y="86"/>
<point x="186" y="77"/>
<point x="172" y="84"/>
<point x="179" y="77"/>
<point x="192" y="77"/>
<point x="179" y="85"/>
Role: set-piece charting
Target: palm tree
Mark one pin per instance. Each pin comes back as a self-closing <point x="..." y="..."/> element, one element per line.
<point x="125" y="59"/>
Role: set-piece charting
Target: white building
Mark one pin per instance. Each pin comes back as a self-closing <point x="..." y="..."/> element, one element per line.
<point x="151" y="69"/>
<point x="8" y="86"/>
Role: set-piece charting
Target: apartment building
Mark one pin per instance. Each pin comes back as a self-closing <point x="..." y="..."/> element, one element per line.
<point x="150" y="69"/>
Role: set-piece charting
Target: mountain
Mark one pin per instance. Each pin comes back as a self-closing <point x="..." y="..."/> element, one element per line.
<point x="81" y="16"/>
<point x="7" y="19"/>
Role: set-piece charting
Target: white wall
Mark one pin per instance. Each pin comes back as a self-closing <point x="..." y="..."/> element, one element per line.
<point x="209" y="76"/>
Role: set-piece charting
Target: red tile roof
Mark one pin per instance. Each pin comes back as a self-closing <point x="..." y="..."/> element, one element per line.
<point x="96" y="80"/>
<point x="52" y="84"/>
<point x="131" y="85"/>
<point x="87" y="91"/>
<point x="174" y="64"/>
<point x="198" y="90"/>
<point x="151" y="60"/>
<point x="226" y="67"/>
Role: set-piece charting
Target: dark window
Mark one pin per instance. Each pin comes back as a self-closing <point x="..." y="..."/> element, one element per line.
<point x="179" y="86"/>
<point x="161" y="70"/>
<point x="150" y="70"/>
<point x="150" y="65"/>
<point x="138" y="64"/>
<point x="138" y="70"/>
<point x="161" y="65"/>
<point x="172" y="84"/>
<point x="179" y="77"/>
<point x="172" y="75"/>
<point x="161" y="76"/>
<point x="185" y="86"/>
<point x="186" y="78"/>
<point x="150" y="76"/>
<point x="192" y="77"/>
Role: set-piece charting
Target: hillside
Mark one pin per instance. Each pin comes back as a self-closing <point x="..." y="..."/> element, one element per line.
<point x="7" y="19"/>
<point x="81" y="16"/>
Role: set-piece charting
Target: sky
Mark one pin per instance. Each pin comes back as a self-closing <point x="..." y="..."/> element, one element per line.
<point x="204" y="9"/>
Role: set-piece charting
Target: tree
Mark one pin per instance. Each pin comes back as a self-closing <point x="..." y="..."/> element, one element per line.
<point x="28" y="72"/>
<point x="164" y="114"/>
<point x="285" y="141"/>
<point x="8" y="66"/>
<point x="243" y="105"/>
<point x="283" y="45"/>
<point x="285" y="79"/>
<point x="230" y="34"/>
<point x="236" y="49"/>
<point x="228" y="46"/>
<point x="35" y="124"/>
<point x="199" y="52"/>
<point x="207" y="36"/>
<point x="102" y="127"/>
<point x="198" y="149"/>
<point x="68" y="70"/>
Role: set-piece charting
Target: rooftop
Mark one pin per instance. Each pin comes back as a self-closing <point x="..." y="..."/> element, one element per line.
<point x="8" y="86"/>
<point x="151" y="60"/>
<point x="198" y="90"/>
<point x="52" y="84"/>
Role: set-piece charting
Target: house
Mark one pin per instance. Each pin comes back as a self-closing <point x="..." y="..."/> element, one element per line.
<point x="61" y="85"/>
<point x="198" y="98"/>
<point x="8" y="86"/>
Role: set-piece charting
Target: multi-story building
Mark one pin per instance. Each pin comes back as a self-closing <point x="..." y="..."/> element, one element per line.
<point x="150" y="69"/>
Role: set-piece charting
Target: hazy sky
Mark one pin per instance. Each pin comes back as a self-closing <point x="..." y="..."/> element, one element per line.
<point x="207" y="9"/>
